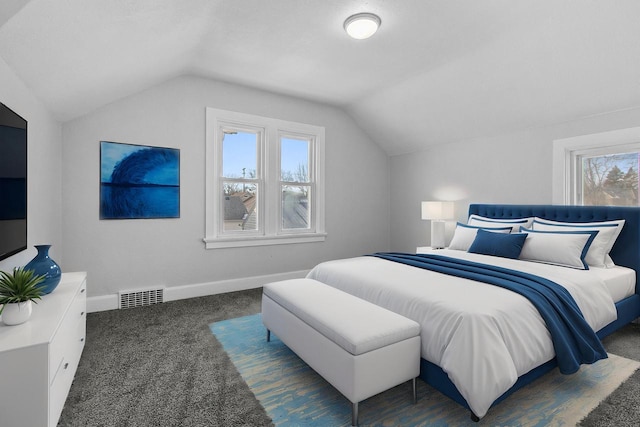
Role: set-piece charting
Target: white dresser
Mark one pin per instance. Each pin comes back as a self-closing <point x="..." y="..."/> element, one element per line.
<point x="38" y="359"/>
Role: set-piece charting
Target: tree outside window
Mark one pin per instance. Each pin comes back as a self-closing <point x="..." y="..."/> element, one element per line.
<point x="610" y="180"/>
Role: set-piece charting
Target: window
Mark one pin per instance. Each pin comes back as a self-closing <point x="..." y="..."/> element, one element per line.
<point x="606" y="179"/>
<point x="598" y="169"/>
<point x="264" y="181"/>
<point x="295" y="184"/>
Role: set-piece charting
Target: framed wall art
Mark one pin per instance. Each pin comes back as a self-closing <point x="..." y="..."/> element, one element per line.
<point x="138" y="181"/>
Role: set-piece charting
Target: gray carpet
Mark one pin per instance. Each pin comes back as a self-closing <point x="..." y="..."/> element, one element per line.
<point x="622" y="407"/>
<point x="161" y="366"/>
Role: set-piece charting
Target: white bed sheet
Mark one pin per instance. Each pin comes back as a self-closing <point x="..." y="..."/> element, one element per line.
<point x="621" y="281"/>
<point x="484" y="337"/>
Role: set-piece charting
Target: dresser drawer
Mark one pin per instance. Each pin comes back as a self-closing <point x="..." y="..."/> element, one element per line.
<point x="60" y="388"/>
<point x="69" y="338"/>
<point x="63" y="378"/>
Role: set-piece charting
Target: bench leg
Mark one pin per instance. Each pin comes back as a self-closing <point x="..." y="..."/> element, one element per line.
<point x="415" y="391"/>
<point x="354" y="414"/>
<point x="268" y="335"/>
<point x="354" y="408"/>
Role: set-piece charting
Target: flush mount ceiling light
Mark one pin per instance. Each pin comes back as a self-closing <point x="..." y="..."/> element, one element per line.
<point x="362" y="25"/>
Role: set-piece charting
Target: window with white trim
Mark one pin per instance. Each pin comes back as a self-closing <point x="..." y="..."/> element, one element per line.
<point x="264" y="181"/>
<point x="598" y="169"/>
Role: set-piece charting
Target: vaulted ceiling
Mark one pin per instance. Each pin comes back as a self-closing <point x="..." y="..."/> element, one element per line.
<point x="437" y="71"/>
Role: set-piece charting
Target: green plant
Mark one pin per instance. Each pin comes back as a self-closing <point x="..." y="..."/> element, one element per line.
<point x="20" y="286"/>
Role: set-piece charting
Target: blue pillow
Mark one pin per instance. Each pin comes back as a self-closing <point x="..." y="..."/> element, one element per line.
<point x="497" y="244"/>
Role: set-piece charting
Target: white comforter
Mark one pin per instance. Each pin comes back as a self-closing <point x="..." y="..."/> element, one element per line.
<point x="484" y="337"/>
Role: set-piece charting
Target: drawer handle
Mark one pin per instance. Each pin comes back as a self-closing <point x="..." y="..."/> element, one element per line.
<point x="66" y="365"/>
<point x="82" y="290"/>
<point x="82" y="314"/>
<point x="81" y="339"/>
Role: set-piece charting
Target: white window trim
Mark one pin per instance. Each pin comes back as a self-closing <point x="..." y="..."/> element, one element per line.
<point x="565" y="151"/>
<point x="269" y="204"/>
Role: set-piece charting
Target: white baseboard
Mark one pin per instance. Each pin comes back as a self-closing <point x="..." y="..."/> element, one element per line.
<point x="102" y="303"/>
<point x="173" y="293"/>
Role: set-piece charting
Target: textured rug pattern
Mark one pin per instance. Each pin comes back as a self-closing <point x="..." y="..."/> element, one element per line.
<point x="293" y="394"/>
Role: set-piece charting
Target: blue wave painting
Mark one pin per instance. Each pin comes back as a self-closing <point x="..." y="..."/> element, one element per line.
<point x="137" y="181"/>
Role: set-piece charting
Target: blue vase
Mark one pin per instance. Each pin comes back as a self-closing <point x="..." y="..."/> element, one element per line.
<point x="43" y="265"/>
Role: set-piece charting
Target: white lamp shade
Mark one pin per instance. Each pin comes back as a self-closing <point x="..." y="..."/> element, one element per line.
<point x="437" y="210"/>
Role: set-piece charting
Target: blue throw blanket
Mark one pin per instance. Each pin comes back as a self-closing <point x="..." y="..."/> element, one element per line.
<point x="574" y="340"/>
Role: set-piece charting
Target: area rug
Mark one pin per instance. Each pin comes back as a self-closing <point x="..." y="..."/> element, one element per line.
<point x="294" y="395"/>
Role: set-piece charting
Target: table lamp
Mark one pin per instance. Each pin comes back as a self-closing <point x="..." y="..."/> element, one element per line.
<point x="437" y="212"/>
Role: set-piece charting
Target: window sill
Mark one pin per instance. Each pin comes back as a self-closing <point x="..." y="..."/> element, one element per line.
<point x="239" y="242"/>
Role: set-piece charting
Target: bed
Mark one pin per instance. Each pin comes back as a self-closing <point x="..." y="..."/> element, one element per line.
<point x="495" y="342"/>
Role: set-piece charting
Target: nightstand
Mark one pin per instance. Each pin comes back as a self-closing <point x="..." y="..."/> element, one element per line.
<point x="426" y="249"/>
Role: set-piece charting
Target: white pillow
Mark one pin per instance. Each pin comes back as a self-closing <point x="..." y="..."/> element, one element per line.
<point x="598" y="255"/>
<point x="464" y="235"/>
<point x="563" y="248"/>
<point x="515" y="224"/>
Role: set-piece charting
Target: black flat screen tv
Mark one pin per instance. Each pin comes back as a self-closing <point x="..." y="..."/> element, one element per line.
<point x="13" y="182"/>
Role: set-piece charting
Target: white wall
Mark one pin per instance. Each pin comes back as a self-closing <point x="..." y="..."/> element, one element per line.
<point x="44" y="144"/>
<point x="513" y="168"/>
<point x="131" y="254"/>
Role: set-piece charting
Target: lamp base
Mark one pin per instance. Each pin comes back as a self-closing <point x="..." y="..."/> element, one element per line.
<point x="437" y="234"/>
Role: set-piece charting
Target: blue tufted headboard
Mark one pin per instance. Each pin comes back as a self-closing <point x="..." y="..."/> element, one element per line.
<point x="625" y="252"/>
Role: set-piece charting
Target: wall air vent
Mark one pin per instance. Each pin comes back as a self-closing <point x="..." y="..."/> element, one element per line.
<point x="139" y="298"/>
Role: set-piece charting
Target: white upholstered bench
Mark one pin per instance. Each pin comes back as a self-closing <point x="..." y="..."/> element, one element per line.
<point x="358" y="347"/>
